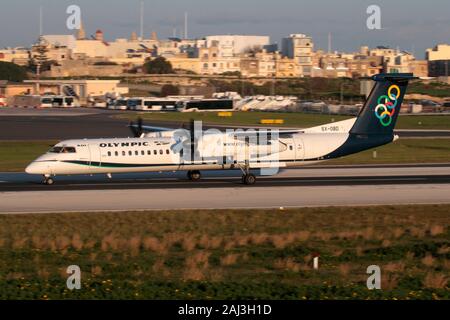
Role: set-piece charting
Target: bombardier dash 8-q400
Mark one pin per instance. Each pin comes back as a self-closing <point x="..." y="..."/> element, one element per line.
<point x="163" y="149"/>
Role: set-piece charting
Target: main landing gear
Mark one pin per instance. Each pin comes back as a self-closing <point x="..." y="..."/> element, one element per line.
<point x="48" y="180"/>
<point x="248" y="178"/>
<point x="194" y="175"/>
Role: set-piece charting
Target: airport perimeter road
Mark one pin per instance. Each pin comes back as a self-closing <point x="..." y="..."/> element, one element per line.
<point x="221" y="198"/>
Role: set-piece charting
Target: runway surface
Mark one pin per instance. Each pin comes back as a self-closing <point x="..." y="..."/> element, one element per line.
<point x="305" y="187"/>
<point x="80" y="123"/>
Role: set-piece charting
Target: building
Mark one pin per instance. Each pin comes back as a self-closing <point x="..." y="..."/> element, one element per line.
<point x="212" y="62"/>
<point x="419" y="68"/>
<point x="232" y="45"/>
<point x="183" y="62"/>
<point x="83" y="89"/>
<point x="19" y="56"/>
<point x="301" y="48"/>
<point x="439" y="60"/>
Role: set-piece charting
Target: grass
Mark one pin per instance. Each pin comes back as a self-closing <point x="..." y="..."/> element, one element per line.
<point x="15" y="156"/>
<point x="232" y="254"/>
<point x="299" y="120"/>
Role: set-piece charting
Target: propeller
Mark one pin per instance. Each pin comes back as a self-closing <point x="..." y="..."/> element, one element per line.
<point x="136" y="128"/>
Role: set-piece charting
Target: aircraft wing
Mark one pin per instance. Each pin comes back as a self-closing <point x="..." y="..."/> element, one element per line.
<point x="150" y="129"/>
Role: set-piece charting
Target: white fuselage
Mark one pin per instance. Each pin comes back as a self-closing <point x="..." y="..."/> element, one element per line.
<point x="147" y="154"/>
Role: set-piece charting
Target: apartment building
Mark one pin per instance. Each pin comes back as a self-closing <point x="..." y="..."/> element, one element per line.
<point x="439" y="61"/>
<point x="301" y="48"/>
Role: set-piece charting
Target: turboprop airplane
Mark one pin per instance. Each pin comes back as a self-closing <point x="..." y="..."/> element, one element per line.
<point x="195" y="150"/>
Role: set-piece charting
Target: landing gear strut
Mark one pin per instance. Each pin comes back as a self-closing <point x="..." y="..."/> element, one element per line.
<point x="48" y="181"/>
<point x="194" y="175"/>
<point x="248" y="178"/>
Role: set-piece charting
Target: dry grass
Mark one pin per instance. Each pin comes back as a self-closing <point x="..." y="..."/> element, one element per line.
<point x="207" y="242"/>
<point x="189" y="243"/>
<point x="77" y="243"/>
<point x="428" y="260"/>
<point x="288" y="264"/>
<point x="394" y="267"/>
<point x="19" y="243"/>
<point x="96" y="271"/>
<point x="359" y="251"/>
<point x="436" y="230"/>
<point x="259" y="239"/>
<point x="281" y="241"/>
<point x="229" y="259"/>
<point x="389" y="281"/>
<point x="62" y="242"/>
<point x="196" y="266"/>
<point x="435" y="281"/>
<point x="135" y="245"/>
<point x="398" y="233"/>
<point x="302" y="235"/>
<point x="153" y="244"/>
<point x="443" y="250"/>
<point x="418" y="233"/>
<point x="344" y="269"/>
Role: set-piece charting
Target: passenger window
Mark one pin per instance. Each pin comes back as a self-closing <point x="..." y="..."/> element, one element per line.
<point x="117" y="154"/>
<point x="149" y="152"/>
<point x="155" y="152"/>
<point x="130" y="153"/>
<point x="167" y="151"/>
<point x="109" y="153"/>
<point x="143" y="152"/>
<point x="161" y="152"/>
<point x="136" y="152"/>
<point x="124" y="153"/>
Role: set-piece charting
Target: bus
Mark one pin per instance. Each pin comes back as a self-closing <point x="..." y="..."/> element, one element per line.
<point x="206" y="105"/>
<point x="152" y="104"/>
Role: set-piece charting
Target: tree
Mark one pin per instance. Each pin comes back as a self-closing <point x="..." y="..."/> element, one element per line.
<point x="158" y="66"/>
<point x="12" y="72"/>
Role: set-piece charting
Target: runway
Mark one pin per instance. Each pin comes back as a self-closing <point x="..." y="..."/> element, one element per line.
<point x="305" y="187"/>
<point x="80" y="123"/>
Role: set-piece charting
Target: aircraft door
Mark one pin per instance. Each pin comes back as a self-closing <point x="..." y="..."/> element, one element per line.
<point x="95" y="156"/>
<point x="299" y="149"/>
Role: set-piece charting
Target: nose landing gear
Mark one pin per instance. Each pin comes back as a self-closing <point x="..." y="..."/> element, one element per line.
<point x="194" y="175"/>
<point x="48" y="181"/>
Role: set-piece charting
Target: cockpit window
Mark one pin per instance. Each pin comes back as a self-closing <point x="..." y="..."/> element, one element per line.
<point x="63" y="150"/>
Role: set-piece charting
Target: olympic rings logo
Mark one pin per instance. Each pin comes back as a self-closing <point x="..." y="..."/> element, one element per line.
<point x="385" y="109"/>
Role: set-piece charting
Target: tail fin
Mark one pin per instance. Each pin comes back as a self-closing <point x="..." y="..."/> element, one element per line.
<point x="380" y="112"/>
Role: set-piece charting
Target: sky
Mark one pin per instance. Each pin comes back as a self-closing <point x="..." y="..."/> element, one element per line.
<point x="412" y="25"/>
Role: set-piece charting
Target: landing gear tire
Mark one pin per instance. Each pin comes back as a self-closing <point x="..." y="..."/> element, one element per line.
<point x="249" y="179"/>
<point x="194" y="175"/>
<point x="49" y="181"/>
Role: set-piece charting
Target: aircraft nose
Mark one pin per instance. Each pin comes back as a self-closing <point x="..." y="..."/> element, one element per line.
<point x="35" y="168"/>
